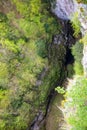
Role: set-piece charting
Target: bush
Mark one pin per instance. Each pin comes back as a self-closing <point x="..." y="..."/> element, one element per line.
<point x="76" y="24"/>
<point x="84" y="39"/>
<point x="23" y="36"/>
<point x="60" y="90"/>
<point x="41" y="48"/>
<point x="78" y="68"/>
<point x="77" y="104"/>
<point x="77" y="51"/>
<point x="3" y="17"/>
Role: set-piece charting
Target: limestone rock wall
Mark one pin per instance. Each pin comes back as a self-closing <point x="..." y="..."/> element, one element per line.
<point x="65" y="9"/>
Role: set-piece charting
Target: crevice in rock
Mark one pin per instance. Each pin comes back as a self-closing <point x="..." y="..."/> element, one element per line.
<point x="65" y="40"/>
<point x="69" y="57"/>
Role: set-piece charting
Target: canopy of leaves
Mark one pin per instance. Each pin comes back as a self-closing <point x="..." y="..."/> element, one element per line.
<point x="77" y="104"/>
<point x="77" y="51"/>
<point x="75" y="24"/>
<point x="25" y="28"/>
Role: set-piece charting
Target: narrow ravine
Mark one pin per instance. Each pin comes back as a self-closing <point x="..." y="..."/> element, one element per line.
<point x="54" y="118"/>
<point x="54" y="100"/>
<point x="43" y="65"/>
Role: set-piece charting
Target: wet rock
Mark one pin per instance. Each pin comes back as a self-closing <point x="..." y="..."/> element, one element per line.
<point x="36" y="124"/>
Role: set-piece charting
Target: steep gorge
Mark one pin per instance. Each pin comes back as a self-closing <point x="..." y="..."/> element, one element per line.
<point x="36" y="56"/>
<point x="59" y="56"/>
<point x="65" y="11"/>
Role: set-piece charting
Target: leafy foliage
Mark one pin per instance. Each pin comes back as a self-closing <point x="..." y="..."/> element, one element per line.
<point x="84" y="39"/>
<point x="77" y="51"/>
<point x="25" y="28"/>
<point x="60" y="90"/>
<point x="76" y="24"/>
<point x="78" y="104"/>
<point x="24" y="32"/>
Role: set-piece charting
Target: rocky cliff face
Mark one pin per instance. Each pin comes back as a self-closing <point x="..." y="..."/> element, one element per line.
<point x="65" y="10"/>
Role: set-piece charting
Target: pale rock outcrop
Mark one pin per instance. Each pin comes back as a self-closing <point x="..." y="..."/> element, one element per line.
<point x="65" y="9"/>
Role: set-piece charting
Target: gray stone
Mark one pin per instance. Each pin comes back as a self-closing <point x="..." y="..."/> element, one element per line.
<point x="64" y="9"/>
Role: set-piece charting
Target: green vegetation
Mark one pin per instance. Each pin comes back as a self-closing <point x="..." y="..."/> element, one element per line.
<point x="70" y="70"/>
<point x="77" y="51"/>
<point x="60" y="90"/>
<point x="78" y="105"/>
<point x="84" y="39"/>
<point x="25" y="29"/>
<point x="82" y="1"/>
<point x="75" y="24"/>
<point x="56" y="71"/>
<point x="75" y="97"/>
<point x="31" y="65"/>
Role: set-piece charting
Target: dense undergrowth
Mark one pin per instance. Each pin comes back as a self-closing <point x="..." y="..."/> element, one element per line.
<point x="25" y="29"/>
<point x="78" y="105"/>
<point x="75" y="104"/>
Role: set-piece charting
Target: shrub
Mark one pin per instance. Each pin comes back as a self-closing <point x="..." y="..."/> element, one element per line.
<point x="76" y="24"/>
<point x="84" y="39"/>
<point x="78" y="68"/>
<point x="77" y="51"/>
<point x="60" y="90"/>
<point x="77" y="104"/>
<point x="24" y="31"/>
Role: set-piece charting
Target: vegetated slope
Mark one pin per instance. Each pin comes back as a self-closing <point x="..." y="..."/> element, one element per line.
<point x="25" y="29"/>
<point x="75" y="104"/>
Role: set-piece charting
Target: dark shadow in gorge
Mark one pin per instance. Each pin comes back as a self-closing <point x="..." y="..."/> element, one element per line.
<point x="70" y="40"/>
<point x="69" y="57"/>
<point x="67" y="40"/>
